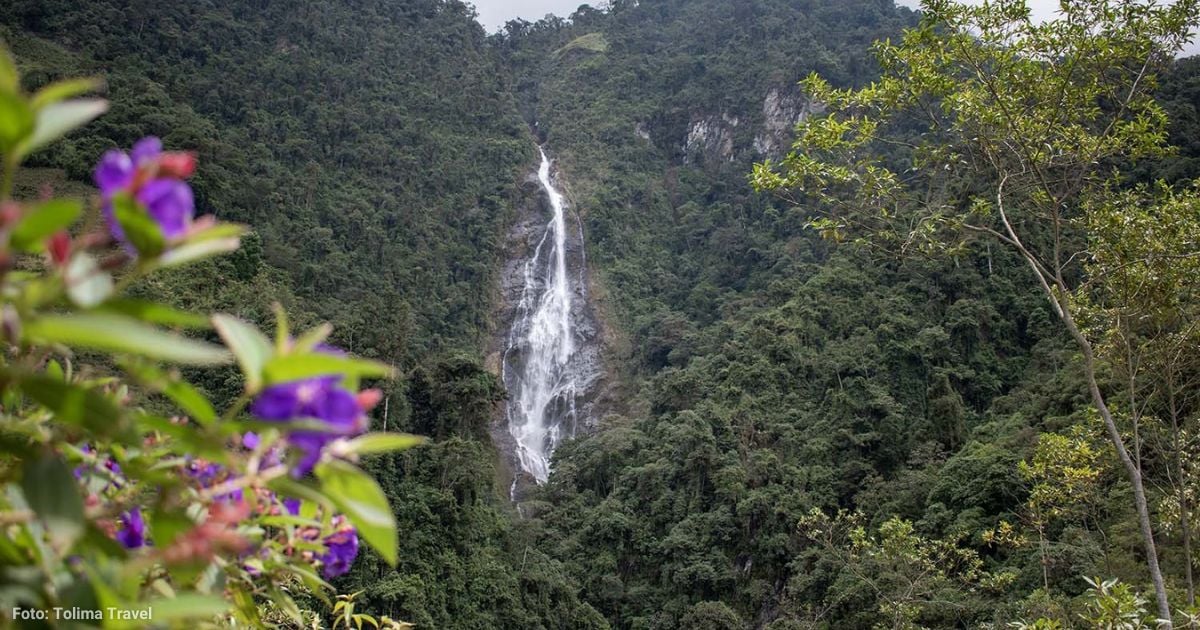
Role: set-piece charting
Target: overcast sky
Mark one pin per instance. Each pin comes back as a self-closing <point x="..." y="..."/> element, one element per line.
<point x="494" y="13"/>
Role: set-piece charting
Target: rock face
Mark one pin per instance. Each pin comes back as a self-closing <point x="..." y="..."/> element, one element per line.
<point x="711" y="138"/>
<point x="717" y="138"/>
<point x="548" y="346"/>
<point x="782" y="111"/>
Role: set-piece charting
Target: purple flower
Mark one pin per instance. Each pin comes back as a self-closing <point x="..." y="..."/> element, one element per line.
<point x="109" y="464"/>
<point x="208" y="474"/>
<point x="132" y="534"/>
<point x="322" y="399"/>
<point x="318" y="398"/>
<point x="170" y="204"/>
<point x="292" y="506"/>
<point x="250" y="440"/>
<point x="114" y="173"/>
<point x="146" y="150"/>
<point x="166" y="198"/>
<point x="341" y="549"/>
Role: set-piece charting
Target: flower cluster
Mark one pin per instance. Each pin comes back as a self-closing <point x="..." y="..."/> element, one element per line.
<point x="341" y="547"/>
<point x="132" y="533"/>
<point x="337" y="412"/>
<point x="154" y="179"/>
<point x="176" y="504"/>
<point x="219" y="529"/>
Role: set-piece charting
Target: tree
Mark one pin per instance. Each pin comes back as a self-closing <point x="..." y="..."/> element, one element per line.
<point x="988" y="126"/>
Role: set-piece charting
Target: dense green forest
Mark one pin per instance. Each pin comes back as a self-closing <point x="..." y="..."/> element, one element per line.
<point x="808" y="435"/>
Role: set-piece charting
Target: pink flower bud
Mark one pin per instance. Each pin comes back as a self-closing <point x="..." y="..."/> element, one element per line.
<point x="177" y="164"/>
<point x="59" y="247"/>
<point x="369" y="398"/>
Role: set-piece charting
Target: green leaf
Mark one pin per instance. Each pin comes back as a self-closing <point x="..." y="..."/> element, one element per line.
<point x="62" y="90"/>
<point x="196" y="443"/>
<point x="44" y="220"/>
<point x="360" y="498"/>
<point x="219" y="231"/>
<point x="73" y="404"/>
<point x="186" y="606"/>
<point x="154" y="313"/>
<point x="316" y="585"/>
<point x="140" y="230"/>
<point x="191" y="252"/>
<point x="182" y="393"/>
<point x="54" y="370"/>
<point x="383" y="443"/>
<point x="117" y="333"/>
<point x="58" y="119"/>
<point x="313" y="338"/>
<point x="52" y="494"/>
<point x="16" y="120"/>
<point x="10" y="80"/>
<point x="287" y="487"/>
<point x="167" y="525"/>
<point x="191" y="401"/>
<point x="251" y="347"/>
<point x="294" y="367"/>
<point x="283" y="332"/>
<point x="87" y="284"/>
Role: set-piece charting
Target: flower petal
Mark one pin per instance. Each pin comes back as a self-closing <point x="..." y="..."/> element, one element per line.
<point x="114" y="172"/>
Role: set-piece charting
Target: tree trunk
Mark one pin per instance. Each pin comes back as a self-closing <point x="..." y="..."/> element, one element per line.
<point x="1058" y="293"/>
<point x="1131" y="468"/>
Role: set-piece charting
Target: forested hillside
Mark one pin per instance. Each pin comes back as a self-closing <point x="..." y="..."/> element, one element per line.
<point x="779" y="373"/>
<point x="374" y="148"/>
<point x="809" y="434"/>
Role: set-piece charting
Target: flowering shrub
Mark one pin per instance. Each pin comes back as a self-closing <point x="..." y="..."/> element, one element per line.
<point x="122" y="516"/>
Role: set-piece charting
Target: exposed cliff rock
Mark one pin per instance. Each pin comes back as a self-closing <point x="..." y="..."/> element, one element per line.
<point x="782" y="111"/>
<point x="711" y="138"/>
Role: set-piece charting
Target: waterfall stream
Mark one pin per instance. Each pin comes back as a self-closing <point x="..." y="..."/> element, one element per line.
<point x="543" y="369"/>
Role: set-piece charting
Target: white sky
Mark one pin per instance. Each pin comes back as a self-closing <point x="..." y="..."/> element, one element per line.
<point x="494" y="13"/>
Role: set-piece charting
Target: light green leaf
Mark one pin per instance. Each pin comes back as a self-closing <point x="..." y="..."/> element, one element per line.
<point x="360" y="498"/>
<point x="219" y="231"/>
<point x="178" y="390"/>
<point x="154" y="313"/>
<point x="116" y="333"/>
<point x="16" y="120"/>
<point x="73" y="404"/>
<point x="294" y="367"/>
<point x="43" y="221"/>
<point x="62" y="90"/>
<point x="87" y="284"/>
<point x="57" y="120"/>
<point x="283" y="332"/>
<point x="54" y="369"/>
<point x="140" y="230"/>
<point x="199" y="250"/>
<point x="52" y="494"/>
<point x="251" y="347"/>
<point x="383" y="443"/>
<point x="313" y="338"/>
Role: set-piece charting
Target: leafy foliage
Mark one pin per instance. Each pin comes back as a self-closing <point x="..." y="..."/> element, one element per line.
<point x="114" y="511"/>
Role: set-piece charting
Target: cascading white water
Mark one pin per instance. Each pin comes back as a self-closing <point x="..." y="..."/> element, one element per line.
<point x="544" y="384"/>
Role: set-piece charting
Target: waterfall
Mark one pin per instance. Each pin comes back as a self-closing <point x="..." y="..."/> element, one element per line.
<point x="543" y="369"/>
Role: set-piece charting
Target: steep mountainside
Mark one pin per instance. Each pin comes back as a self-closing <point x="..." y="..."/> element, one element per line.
<point x="378" y="149"/>
<point x="775" y="373"/>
